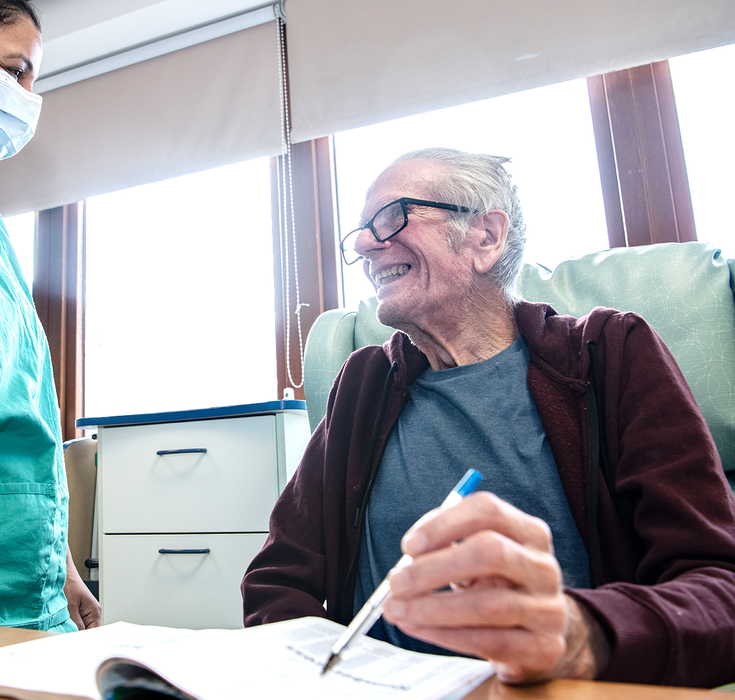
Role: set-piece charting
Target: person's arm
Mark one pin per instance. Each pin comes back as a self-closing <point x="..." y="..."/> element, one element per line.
<point x="83" y="606"/>
<point x="670" y="622"/>
<point x="285" y="580"/>
<point x="507" y="603"/>
<point x="301" y="569"/>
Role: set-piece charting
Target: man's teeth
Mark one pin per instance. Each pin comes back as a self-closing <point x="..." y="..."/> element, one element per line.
<point x="395" y="271"/>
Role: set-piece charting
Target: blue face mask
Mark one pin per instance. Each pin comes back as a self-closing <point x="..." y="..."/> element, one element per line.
<point x="19" y="111"/>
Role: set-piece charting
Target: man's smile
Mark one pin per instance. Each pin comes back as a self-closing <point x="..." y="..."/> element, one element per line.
<point x="390" y="273"/>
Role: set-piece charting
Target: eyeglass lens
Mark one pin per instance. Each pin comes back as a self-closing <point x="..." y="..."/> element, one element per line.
<point x="389" y="220"/>
<point x="386" y="223"/>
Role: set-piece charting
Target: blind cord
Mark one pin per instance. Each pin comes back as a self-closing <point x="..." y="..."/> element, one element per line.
<point x="288" y="221"/>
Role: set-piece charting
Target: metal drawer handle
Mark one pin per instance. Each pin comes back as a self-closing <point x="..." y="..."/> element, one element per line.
<point x="185" y="451"/>
<point x="184" y="551"/>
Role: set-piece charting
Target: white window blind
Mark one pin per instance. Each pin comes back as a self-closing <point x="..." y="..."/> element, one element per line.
<point x="207" y="105"/>
<point x="351" y="63"/>
<point x="354" y="63"/>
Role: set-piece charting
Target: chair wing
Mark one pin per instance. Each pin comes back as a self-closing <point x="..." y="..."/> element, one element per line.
<point x="333" y="337"/>
<point x="684" y="290"/>
<point x="329" y="344"/>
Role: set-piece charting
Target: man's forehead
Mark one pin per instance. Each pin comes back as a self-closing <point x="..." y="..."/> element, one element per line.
<point x="411" y="178"/>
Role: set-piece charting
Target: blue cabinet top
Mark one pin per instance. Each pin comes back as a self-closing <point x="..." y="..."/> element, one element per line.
<point x="247" y="409"/>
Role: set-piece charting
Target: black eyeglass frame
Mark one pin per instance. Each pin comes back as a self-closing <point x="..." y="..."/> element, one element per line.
<point x="404" y="202"/>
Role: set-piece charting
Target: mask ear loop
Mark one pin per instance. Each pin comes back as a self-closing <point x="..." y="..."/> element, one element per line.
<point x="288" y="222"/>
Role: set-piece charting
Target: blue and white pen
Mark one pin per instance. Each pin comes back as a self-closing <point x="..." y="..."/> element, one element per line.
<point x="373" y="607"/>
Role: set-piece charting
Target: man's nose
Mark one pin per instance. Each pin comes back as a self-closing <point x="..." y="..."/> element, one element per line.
<point x="366" y="242"/>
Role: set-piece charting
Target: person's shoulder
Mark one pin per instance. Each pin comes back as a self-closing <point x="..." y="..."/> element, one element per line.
<point x="562" y="342"/>
<point x="603" y="323"/>
<point x="397" y="350"/>
<point x="542" y="319"/>
<point x="369" y="354"/>
<point x="367" y="361"/>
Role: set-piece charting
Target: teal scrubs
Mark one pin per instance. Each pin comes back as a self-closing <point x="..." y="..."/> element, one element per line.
<point x="33" y="491"/>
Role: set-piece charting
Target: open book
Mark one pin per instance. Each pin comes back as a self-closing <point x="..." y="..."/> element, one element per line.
<point x="281" y="660"/>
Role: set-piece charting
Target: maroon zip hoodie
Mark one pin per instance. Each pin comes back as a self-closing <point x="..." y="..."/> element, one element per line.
<point x="663" y="545"/>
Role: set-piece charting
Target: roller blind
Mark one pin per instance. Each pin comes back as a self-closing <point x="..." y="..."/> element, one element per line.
<point x="197" y="108"/>
<point x="357" y="63"/>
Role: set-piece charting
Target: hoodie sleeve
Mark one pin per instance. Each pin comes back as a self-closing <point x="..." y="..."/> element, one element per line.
<point x="673" y="623"/>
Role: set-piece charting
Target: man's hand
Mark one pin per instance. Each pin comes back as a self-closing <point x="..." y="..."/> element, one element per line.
<point x="506" y="602"/>
<point x="83" y="606"/>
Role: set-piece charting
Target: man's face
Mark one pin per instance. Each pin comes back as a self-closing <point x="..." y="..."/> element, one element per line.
<point x="419" y="279"/>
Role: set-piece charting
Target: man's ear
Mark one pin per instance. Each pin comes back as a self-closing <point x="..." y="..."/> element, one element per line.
<point x="489" y="233"/>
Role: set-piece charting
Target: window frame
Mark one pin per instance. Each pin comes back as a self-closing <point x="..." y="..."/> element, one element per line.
<point x="644" y="183"/>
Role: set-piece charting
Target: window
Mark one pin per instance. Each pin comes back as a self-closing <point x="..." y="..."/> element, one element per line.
<point x="180" y="294"/>
<point x="547" y="132"/>
<point x="705" y="104"/>
<point x="21" y="229"/>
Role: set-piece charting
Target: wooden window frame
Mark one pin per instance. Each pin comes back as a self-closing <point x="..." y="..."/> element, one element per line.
<point x="316" y="251"/>
<point x="641" y="157"/>
<point x="58" y="293"/>
<point x="645" y="191"/>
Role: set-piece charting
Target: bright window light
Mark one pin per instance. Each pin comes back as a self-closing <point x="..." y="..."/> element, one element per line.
<point x="547" y="133"/>
<point x="705" y="102"/>
<point x="22" y="233"/>
<point x="180" y="294"/>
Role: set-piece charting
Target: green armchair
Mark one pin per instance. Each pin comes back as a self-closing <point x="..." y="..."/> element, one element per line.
<point x="686" y="291"/>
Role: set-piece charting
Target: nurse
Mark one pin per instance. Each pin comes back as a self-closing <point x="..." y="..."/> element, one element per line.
<point x="39" y="586"/>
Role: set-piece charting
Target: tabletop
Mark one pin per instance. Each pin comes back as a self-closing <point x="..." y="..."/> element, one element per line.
<point x="492" y="689"/>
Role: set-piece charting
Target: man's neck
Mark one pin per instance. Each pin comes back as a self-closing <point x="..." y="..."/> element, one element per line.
<point x="475" y="334"/>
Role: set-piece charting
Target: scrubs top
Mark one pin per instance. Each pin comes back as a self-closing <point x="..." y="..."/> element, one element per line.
<point x="33" y="491"/>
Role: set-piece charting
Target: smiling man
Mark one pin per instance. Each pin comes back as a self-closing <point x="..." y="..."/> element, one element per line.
<point x="522" y="573"/>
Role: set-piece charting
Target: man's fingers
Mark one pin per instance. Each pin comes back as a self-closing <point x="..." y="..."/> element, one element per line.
<point x="559" y="640"/>
<point x="518" y="654"/>
<point x="479" y="607"/>
<point x="479" y="511"/>
<point x="481" y="556"/>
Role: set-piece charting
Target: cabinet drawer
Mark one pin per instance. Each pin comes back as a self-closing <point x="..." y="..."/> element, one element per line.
<point x="175" y="590"/>
<point x="149" y="483"/>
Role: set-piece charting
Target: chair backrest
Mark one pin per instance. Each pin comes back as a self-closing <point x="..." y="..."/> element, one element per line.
<point x="80" y="459"/>
<point x="684" y="290"/>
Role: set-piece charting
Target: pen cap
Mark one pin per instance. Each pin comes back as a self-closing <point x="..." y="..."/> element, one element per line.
<point x="468" y="483"/>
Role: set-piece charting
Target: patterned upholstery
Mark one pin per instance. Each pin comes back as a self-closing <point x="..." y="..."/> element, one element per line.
<point x="684" y="290"/>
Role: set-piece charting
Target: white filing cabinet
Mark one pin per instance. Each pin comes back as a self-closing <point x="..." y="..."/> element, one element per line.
<point x="184" y="500"/>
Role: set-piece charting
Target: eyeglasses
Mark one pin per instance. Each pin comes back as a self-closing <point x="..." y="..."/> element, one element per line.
<point x="388" y="222"/>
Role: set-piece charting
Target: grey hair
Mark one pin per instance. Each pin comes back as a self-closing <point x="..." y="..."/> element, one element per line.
<point x="481" y="183"/>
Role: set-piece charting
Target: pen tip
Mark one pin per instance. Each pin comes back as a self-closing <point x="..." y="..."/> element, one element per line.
<point x="330" y="662"/>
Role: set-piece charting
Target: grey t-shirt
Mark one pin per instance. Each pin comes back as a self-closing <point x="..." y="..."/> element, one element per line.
<point x="480" y="416"/>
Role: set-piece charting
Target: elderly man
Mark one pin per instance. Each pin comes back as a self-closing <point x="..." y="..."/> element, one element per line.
<point x="604" y="543"/>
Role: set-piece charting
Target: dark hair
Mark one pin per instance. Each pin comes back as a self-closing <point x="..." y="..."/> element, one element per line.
<point x="12" y="10"/>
